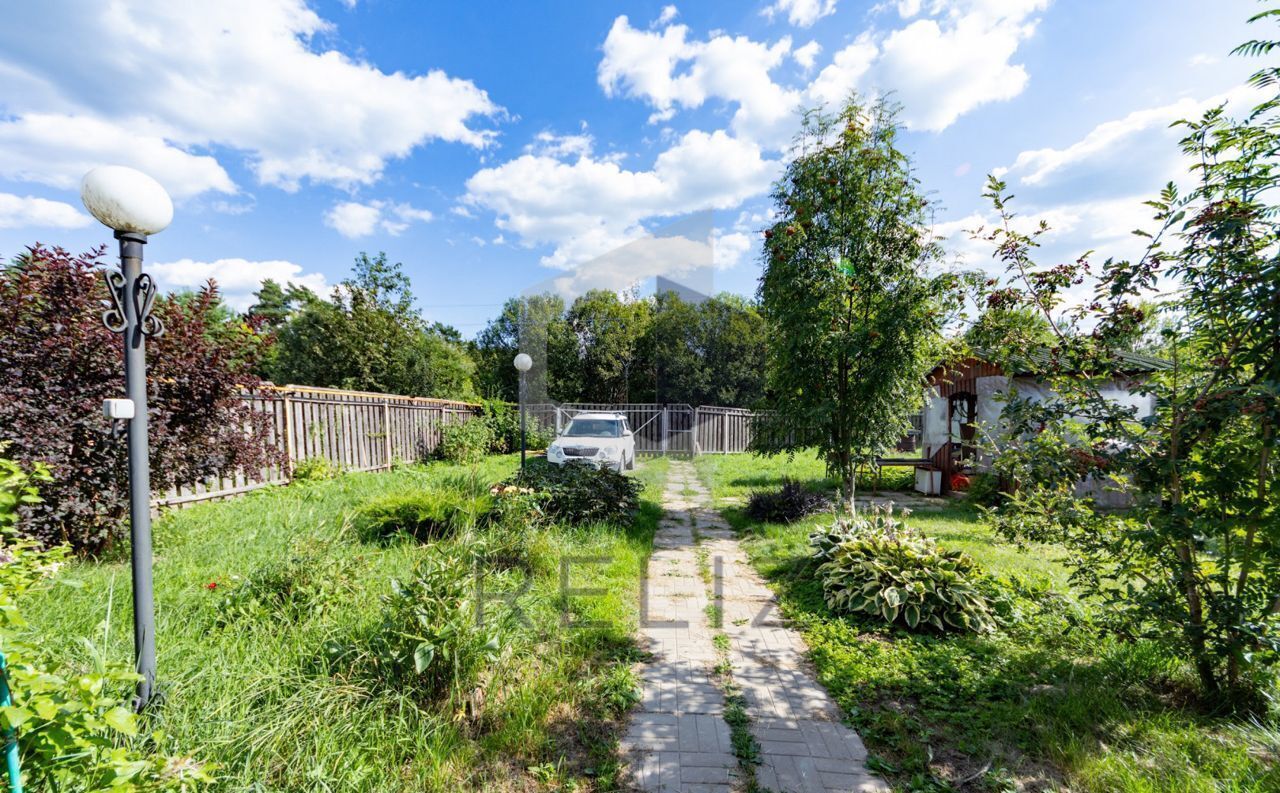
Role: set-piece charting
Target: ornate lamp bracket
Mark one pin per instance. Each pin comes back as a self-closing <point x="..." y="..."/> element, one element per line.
<point x="144" y="298"/>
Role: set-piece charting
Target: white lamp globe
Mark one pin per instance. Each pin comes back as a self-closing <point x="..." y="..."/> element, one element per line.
<point x="123" y="199"/>
<point x="523" y="362"/>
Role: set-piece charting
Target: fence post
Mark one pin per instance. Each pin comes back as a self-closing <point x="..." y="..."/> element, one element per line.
<point x="664" y="429"/>
<point x="386" y="428"/>
<point x="288" y="437"/>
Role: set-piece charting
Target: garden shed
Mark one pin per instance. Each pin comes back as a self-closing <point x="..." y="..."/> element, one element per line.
<point x="964" y="399"/>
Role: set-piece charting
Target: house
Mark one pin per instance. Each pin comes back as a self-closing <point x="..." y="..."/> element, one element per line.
<point x="963" y="403"/>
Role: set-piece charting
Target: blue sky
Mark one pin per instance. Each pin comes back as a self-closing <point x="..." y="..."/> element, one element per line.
<point x="494" y="146"/>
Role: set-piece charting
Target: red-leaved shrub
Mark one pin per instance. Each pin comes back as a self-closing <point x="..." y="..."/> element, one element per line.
<point x="58" y="362"/>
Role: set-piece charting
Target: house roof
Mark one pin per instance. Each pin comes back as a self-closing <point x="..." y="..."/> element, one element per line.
<point x="1039" y="360"/>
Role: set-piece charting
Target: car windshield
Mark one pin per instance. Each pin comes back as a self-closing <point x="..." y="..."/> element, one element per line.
<point x="594" y="428"/>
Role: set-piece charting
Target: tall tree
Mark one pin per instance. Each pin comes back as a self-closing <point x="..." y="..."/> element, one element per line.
<point x="673" y="349"/>
<point x="534" y="324"/>
<point x="369" y="336"/>
<point x="733" y="349"/>
<point x="705" y="353"/>
<point x="607" y="329"/>
<point x="1196" y="561"/>
<point x="856" y="316"/>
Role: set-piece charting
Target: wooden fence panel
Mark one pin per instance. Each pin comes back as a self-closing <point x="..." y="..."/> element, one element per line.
<point x="356" y="430"/>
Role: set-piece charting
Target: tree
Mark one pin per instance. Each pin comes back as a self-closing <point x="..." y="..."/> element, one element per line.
<point x="734" y="342"/>
<point x="1196" y="561"/>
<point x="1009" y="332"/>
<point x="534" y="324"/>
<point x="607" y="329"/>
<point x="369" y="336"/>
<point x="856" y="316"/>
<point x="603" y="348"/>
<point x="673" y="348"/>
<point x="275" y="304"/>
<point x="705" y="353"/>
<point x="60" y="363"/>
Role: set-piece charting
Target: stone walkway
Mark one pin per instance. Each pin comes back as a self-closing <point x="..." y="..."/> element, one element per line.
<point x="678" y="739"/>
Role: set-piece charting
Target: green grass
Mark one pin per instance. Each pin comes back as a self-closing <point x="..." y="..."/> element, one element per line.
<point x="1052" y="702"/>
<point x="739" y="475"/>
<point x="255" y="694"/>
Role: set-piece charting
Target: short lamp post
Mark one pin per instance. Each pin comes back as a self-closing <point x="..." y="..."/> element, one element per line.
<point x="134" y="206"/>
<point x="523" y="364"/>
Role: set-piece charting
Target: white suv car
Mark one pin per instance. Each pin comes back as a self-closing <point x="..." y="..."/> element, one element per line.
<point x="601" y="439"/>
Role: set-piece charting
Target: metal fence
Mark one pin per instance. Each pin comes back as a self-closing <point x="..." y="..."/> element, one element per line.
<point x="671" y="429"/>
<point x="354" y="430"/>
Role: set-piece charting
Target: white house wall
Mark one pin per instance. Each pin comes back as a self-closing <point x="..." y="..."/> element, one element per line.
<point x="933" y="426"/>
<point x="990" y="402"/>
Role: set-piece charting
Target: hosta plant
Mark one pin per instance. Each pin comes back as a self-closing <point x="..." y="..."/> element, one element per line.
<point x="882" y="568"/>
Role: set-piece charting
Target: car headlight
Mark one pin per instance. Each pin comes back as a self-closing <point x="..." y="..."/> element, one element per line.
<point x="554" y="450"/>
<point x="609" y="452"/>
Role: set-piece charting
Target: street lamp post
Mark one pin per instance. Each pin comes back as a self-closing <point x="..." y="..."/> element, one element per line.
<point x="523" y="363"/>
<point x="134" y="206"/>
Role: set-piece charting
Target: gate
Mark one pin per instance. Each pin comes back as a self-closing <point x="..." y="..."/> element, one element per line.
<point x="658" y="429"/>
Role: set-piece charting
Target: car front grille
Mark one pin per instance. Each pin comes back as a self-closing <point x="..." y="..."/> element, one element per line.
<point x="580" y="451"/>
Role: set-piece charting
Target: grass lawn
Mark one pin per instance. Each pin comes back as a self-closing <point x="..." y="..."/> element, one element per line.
<point x="1052" y="702"/>
<point x="259" y="694"/>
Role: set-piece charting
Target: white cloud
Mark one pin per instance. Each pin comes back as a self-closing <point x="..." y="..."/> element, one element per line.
<point x="1137" y="151"/>
<point x="668" y="13"/>
<point x="801" y="13"/>
<point x="908" y="8"/>
<point x="1091" y="191"/>
<point x="17" y="212"/>
<point x="551" y="145"/>
<point x="643" y="64"/>
<point x="956" y="57"/>
<point x="58" y="150"/>
<point x="1103" y="226"/>
<point x="836" y="81"/>
<point x="237" y="279"/>
<point x="247" y="75"/>
<point x="1202" y="59"/>
<point x="807" y="55"/>
<point x="591" y="206"/>
<point x="731" y="248"/>
<point x="353" y="219"/>
<point x="943" y="67"/>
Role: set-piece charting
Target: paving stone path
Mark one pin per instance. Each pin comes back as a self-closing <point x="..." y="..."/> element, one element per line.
<point x="678" y="739"/>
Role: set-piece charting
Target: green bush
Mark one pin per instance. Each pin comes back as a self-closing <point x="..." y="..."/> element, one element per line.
<point x="429" y="514"/>
<point x="984" y="490"/>
<point x="311" y="579"/>
<point x="577" y="493"/>
<point x="504" y="419"/>
<point x="73" y="726"/>
<point x="431" y="637"/>
<point x="466" y="442"/>
<point x="314" y="469"/>
<point x="789" y="503"/>
<point x="880" y="567"/>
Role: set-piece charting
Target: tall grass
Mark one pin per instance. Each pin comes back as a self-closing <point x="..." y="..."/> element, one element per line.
<point x="259" y="694"/>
